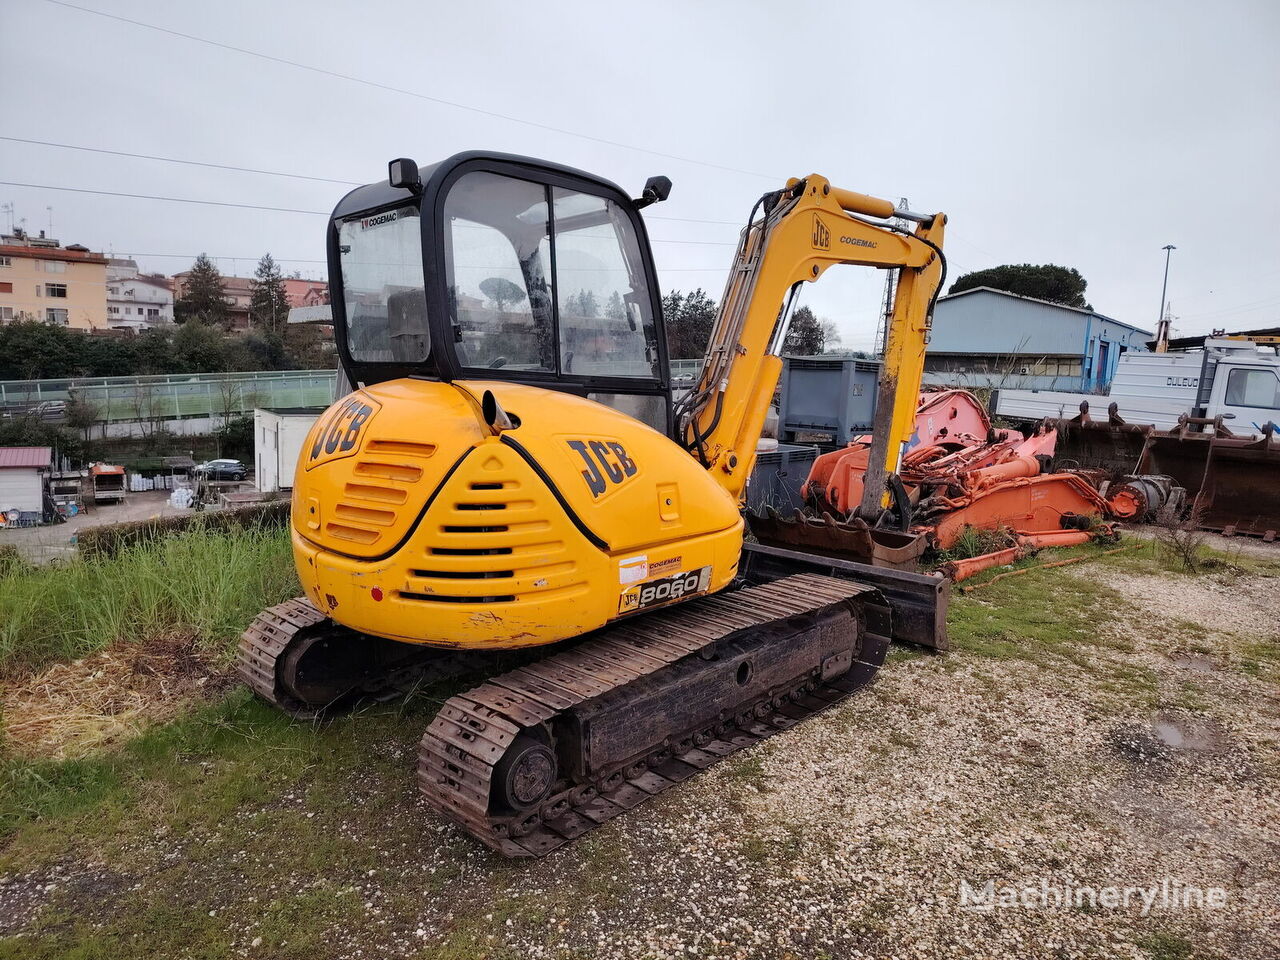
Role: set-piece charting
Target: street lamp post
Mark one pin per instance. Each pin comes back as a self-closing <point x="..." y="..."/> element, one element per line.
<point x="1162" y="326"/>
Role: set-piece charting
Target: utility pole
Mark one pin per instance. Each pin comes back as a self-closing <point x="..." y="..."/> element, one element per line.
<point x="890" y="289"/>
<point x="1162" y="327"/>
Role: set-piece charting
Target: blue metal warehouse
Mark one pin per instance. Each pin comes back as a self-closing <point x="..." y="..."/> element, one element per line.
<point x="990" y="338"/>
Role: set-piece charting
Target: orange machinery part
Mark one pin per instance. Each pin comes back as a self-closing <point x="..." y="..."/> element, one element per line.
<point x="959" y="570"/>
<point x="1024" y="504"/>
<point x="946" y="421"/>
<point x="1126" y="504"/>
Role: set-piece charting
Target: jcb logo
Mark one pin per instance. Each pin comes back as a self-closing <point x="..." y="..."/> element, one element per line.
<point x="606" y="462"/>
<point x="821" y="235"/>
<point x="338" y="434"/>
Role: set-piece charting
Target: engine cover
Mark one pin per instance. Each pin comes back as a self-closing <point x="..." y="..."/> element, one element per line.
<point x="413" y="520"/>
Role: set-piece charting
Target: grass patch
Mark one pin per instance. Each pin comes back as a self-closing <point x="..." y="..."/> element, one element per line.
<point x="1260" y="658"/>
<point x="210" y="584"/>
<point x="748" y="768"/>
<point x="1037" y="613"/>
<point x="234" y="796"/>
<point x="1166" y="946"/>
<point x="1212" y="562"/>
<point x="973" y="542"/>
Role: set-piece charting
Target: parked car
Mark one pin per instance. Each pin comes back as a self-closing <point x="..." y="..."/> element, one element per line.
<point x="50" y="411"/>
<point x="222" y="470"/>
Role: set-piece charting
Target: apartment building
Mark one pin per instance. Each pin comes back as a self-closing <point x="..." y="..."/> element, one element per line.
<point x="137" y="301"/>
<point x="42" y="280"/>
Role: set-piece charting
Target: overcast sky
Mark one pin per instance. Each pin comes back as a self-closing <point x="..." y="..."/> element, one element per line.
<point x="1088" y="134"/>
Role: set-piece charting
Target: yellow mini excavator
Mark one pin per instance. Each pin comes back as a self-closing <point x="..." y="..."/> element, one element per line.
<point x="509" y="472"/>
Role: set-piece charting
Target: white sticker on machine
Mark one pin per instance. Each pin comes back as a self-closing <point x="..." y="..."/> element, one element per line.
<point x="664" y="590"/>
<point x="633" y="569"/>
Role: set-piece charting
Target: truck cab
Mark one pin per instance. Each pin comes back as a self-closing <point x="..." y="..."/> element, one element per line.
<point x="1241" y="384"/>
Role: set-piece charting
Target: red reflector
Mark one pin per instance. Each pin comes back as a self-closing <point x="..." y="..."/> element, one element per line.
<point x="376" y="593"/>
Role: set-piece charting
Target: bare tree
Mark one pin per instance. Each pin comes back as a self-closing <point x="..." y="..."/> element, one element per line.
<point x="1180" y="537"/>
<point x="234" y="400"/>
<point x="82" y="414"/>
<point x="147" y="408"/>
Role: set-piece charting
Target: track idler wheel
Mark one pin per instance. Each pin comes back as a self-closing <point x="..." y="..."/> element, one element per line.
<point x="523" y="778"/>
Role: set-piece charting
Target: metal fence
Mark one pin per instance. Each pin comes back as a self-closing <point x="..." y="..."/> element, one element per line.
<point x="681" y="369"/>
<point x="171" y="396"/>
<point x="181" y="395"/>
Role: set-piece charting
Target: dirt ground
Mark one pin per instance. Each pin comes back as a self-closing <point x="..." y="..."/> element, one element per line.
<point x="1102" y="726"/>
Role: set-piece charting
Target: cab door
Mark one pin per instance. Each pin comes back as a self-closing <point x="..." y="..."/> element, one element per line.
<point x="1252" y="394"/>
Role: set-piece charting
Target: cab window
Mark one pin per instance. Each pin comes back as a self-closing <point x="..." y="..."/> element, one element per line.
<point x="382" y="286"/>
<point x="522" y="257"/>
<point x="606" y="321"/>
<point x="1253" y="388"/>
<point x="497" y="266"/>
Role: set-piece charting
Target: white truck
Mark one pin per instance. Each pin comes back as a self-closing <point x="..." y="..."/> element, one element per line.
<point x="1235" y="379"/>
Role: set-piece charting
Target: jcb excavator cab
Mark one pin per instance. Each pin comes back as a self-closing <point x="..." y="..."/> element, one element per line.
<point x="495" y="267"/>
<point x="502" y="473"/>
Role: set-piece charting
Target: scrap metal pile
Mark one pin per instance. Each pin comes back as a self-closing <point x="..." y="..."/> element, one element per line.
<point x="1231" y="482"/>
<point x="959" y="473"/>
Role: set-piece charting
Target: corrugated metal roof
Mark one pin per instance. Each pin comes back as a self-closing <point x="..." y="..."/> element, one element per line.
<point x="26" y="456"/>
<point x="1047" y="303"/>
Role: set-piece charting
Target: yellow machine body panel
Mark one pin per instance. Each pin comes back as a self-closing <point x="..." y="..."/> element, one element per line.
<point x="414" y="520"/>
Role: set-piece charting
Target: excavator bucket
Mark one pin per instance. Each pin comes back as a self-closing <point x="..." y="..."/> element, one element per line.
<point x="1234" y="482"/>
<point x="828" y="537"/>
<point x="1088" y="444"/>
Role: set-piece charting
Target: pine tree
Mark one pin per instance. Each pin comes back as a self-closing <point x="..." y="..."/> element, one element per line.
<point x="614" y="309"/>
<point x="203" y="297"/>
<point x="269" y="301"/>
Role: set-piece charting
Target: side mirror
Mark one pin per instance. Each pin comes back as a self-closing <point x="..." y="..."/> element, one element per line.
<point x="403" y="172"/>
<point x="656" y="189"/>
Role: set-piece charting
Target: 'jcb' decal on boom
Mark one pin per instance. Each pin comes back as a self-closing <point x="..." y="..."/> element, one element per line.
<point x="606" y="461"/>
<point x="340" y="432"/>
<point x="821" y="235"/>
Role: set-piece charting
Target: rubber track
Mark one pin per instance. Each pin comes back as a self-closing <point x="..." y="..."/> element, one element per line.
<point x="473" y="730"/>
<point x="259" y="660"/>
<point x="265" y="641"/>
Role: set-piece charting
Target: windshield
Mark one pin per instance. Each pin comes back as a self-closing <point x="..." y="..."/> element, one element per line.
<point x="517" y="266"/>
<point x="382" y="286"/>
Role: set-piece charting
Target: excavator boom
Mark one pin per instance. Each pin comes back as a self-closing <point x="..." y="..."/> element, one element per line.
<point x="805" y="229"/>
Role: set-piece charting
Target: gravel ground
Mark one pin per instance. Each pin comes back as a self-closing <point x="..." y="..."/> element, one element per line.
<point x="1150" y="757"/>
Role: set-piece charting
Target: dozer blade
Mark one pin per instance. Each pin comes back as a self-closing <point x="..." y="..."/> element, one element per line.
<point x="536" y="757"/>
<point x="1234" y="481"/>
<point x="828" y="537"/>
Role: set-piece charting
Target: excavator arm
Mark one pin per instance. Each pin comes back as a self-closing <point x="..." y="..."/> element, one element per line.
<point x="806" y="228"/>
